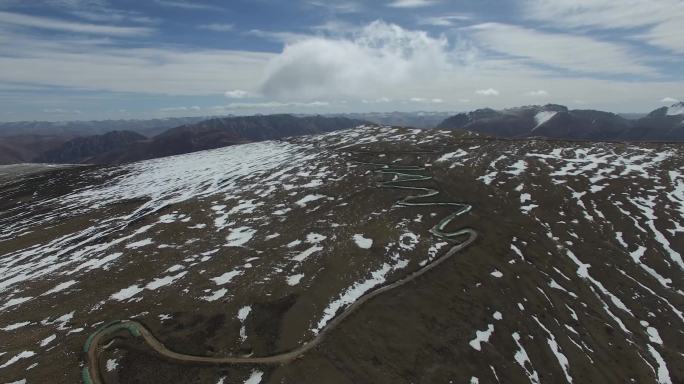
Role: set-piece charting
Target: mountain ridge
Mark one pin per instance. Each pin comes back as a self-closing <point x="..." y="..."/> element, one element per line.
<point x="663" y="124"/>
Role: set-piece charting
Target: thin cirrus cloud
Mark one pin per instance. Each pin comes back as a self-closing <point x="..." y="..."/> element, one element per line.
<point x="190" y="5"/>
<point x="444" y="20"/>
<point x="570" y="52"/>
<point x="218" y="27"/>
<point x="660" y="21"/>
<point x="337" y="6"/>
<point x="20" y="20"/>
<point x="411" y="3"/>
<point x="94" y="65"/>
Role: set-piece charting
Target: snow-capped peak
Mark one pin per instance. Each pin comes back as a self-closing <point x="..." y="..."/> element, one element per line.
<point x="676" y="109"/>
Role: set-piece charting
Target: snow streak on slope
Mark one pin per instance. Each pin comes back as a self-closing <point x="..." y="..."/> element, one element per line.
<point x="204" y="231"/>
<point x="542" y="117"/>
<point x="576" y="276"/>
<point x="608" y="218"/>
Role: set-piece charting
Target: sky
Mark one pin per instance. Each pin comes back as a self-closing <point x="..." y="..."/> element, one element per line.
<point x="124" y="59"/>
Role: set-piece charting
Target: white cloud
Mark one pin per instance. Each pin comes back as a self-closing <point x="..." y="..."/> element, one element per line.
<point x="669" y="100"/>
<point x="411" y="3"/>
<point x="661" y="19"/>
<point x="16" y="19"/>
<point x="488" y="92"/>
<point x="381" y="63"/>
<point x="539" y="92"/>
<point x="668" y="35"/>
<point x="237" y="94"/>
<point x="218" y="27"/>
<point x="564" y="51"/>
<point x="381" y="55"/>
<point x="426" y="100"/>
<point x="444" y="20"/>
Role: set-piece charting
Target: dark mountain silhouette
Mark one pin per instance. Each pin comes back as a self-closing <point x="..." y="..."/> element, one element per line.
<point x="665" y="123"/>
<point x="553" y="121"/>
<point x="86" y="149"/>
<point x="422" y="120"/>
<point x="122" y="147"/>
<point x="556" y="121"/>
<point x="26" y="148"/>
<point x="149" y="127"/>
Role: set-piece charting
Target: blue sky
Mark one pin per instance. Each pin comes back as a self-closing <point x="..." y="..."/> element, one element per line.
<point x="97" y="59"/>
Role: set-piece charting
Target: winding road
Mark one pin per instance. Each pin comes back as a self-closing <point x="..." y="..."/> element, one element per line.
<point x="402" y="175"/>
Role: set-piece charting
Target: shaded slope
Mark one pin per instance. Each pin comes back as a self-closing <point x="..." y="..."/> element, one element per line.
<point x="215" y="133"/>
<point x="91" y="148"/>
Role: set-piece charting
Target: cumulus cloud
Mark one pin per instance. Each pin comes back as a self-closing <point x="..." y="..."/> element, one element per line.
<point x="237" y="94"/>
<point x="539" y="92"/>
<point x="488" y="92"/>
<point x="669" y="100"/>
<point x="379" y="56"/>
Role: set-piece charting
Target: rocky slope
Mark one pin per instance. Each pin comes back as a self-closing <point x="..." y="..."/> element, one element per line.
<point x="249" y="250"/>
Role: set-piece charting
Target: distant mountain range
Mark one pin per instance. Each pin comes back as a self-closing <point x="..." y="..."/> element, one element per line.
<point x="557" y="121"/>
<point x="423" y="120"/>
<point x="109" y="142"/>
<point x="26" y="141"/>
<point x="149" y="127"/>
<point x="126" y="146"/>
